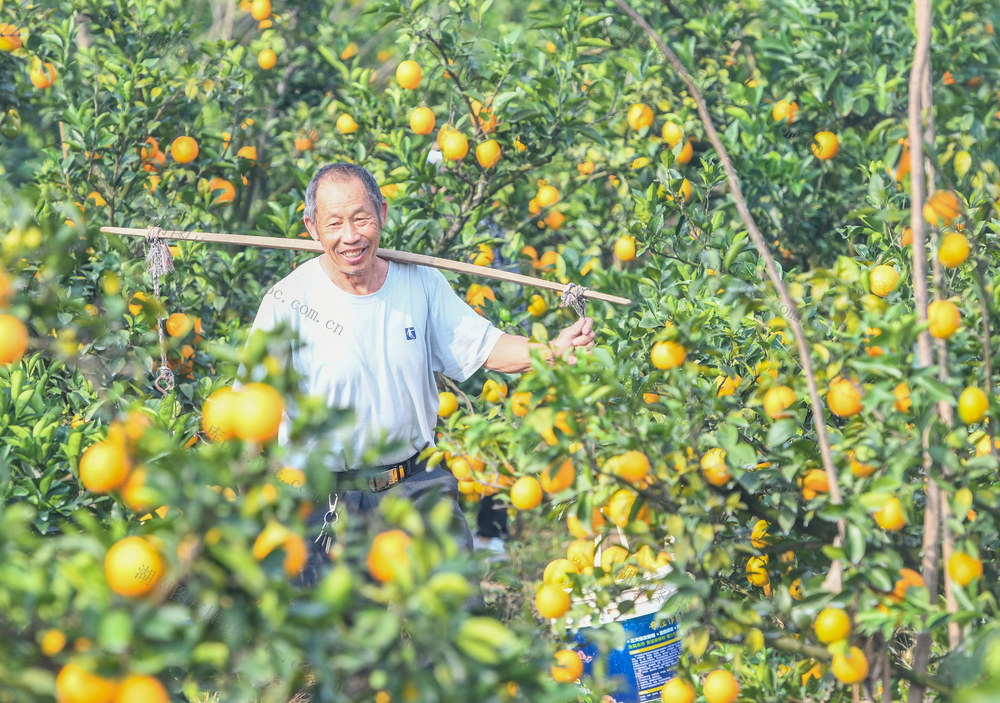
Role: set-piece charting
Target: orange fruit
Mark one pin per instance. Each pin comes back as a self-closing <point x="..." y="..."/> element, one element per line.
<point x="557" y="572"/>
<point x="625" y="248"/>
<point x="494" y="392"/>
<point x="447" y="404"/>
<point x="479" y="294"/>
<point x="943" y="206"/>
<point x="944" y="318"/>
<point x="832" y="625"/>
<point x="141" y="689"/>
<point x="577" y="529"/>
<point x="538" y="307"/>
<point x="954" y="250"/>
<point x="408" y="74"/>
<point x="713" y="467"/>
<point x="454" y="146"/>
<point x="520" y="403"/>
<point x="890" y="516"/>
<point x="292" y="476"/>
<point x="908" y="578"/>
<point x="720" y="687"/>
<point x="247" y="152"/>
<point x="226" y="188"/>
<point x="964" y="568"/>
<point x="13" y="339"/>
<point x="825" y="145"/>
<point x="672" y="134"/>
<point x="677" y="691"/>
<point x="758" y="536"/>
<point x="266" y="59"/>
<point x="548" y="259"/>
<point x="74" y="684"/>
<point x="184" y="150"/>
<point x="274" y="536"/>
<point x="132" y="567"/>
<point x="260" y="9"/>
<point x="843" y="398"/>
<point x="488" y="153"/>
<point x="795" y="589"/>
<point x="640" y="115"/>
<point x="551" y="601"/>
<point x="346" y="124"/>
<point x="488" y="121"/>
<point x="619" y="508"/>
<point x="581" y="553"/>
<point x="902" y="394"/>
<point x="41" y="75"/>
<point x="632" y="466"/>
<point x="586" y="168"/>
<point x="757" y="571"/>
<point x="422" y="120"/>
<point x="727" y="385"/>
<point x="155" y="162"/>
<point x="568" y="666"/>
<point x="667" y="355"/>
<point x="784" y="109"/>
<point x="134" y="493"/>
<point x="558" y="478"/>
<point x="776" y="400"/>
<point x="388" y="555"/>
<point x="220" y="414"/>
<point x="814" y="483"/>
<point x="260" y="411"/>
<point x="10" y="39"/>
<point x="883" y="280"/>
<point x="526" y="493"/>
<point x="906" y="237"/>
<point x="858" y="469"/>
<point x="303" y="143"/>
<point x="547" y="196"/>
<point x="972" y="405"/>
<point x="685" y="154"/>
<point x="850" y="668"/>
<point x="179" y="324"/>
<point x="52" y="642"/>
<point x="104" y="466"/>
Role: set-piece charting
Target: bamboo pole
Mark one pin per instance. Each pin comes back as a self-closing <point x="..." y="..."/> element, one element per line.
<point x="402" y="257"/>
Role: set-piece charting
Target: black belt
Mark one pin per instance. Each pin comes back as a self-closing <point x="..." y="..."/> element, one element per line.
<point x="385" y="477"/>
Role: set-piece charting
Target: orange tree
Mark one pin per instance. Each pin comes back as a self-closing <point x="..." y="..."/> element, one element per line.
<point x="558" y="131"/>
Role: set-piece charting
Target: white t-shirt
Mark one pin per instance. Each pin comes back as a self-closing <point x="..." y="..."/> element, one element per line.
<point x="376" y="354"/>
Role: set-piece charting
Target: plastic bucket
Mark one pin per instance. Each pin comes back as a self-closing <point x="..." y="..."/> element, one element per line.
<point x="646" y="663"/>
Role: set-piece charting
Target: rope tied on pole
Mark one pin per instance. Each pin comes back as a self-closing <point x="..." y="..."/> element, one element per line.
<point x="573" y="297"/>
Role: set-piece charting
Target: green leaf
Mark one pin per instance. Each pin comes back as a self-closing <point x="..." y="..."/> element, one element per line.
<point x="114" y="632"/>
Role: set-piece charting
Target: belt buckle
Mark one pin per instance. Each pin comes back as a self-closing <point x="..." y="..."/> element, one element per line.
<point x="384" y="481"/>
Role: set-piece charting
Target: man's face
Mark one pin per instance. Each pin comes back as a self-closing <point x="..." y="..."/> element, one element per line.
<point x="347" y="225"/>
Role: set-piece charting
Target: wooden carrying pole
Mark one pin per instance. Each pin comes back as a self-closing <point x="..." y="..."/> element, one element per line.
<point x="402" y="257"/>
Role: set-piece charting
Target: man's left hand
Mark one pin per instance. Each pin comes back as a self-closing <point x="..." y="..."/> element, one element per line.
<point x="579" y="335"/>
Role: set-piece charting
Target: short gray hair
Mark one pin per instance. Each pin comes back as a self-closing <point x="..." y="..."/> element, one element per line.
<point x="343" y="171"/>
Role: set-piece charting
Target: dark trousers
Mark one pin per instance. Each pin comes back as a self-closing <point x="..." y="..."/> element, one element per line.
<point x="425" y="489"/>
<point x="492" y="518"/>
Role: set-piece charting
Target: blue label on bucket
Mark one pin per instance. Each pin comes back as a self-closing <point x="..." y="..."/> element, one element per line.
<point x="644" y="665"/>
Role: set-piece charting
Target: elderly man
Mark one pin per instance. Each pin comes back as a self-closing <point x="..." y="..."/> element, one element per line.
<point x="371" y="334"/>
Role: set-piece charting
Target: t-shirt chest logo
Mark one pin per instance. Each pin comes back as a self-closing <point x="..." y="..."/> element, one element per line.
<point x="411" y="332"/>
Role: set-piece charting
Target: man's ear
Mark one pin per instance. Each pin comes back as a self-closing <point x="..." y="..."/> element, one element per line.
<point x="311" y="228"/>
<point x="385" y="209"/>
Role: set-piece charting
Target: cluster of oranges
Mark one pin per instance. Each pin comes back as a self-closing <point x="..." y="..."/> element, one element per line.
<point x="453" y="144"/>
<point x="252" y="413"/>
<point x="42" y="74"/>
<point x="75" y="684"/>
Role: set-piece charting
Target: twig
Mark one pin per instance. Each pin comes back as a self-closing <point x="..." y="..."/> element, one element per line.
<point x="932" y="519"/>
<point x="834" y="581"/>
